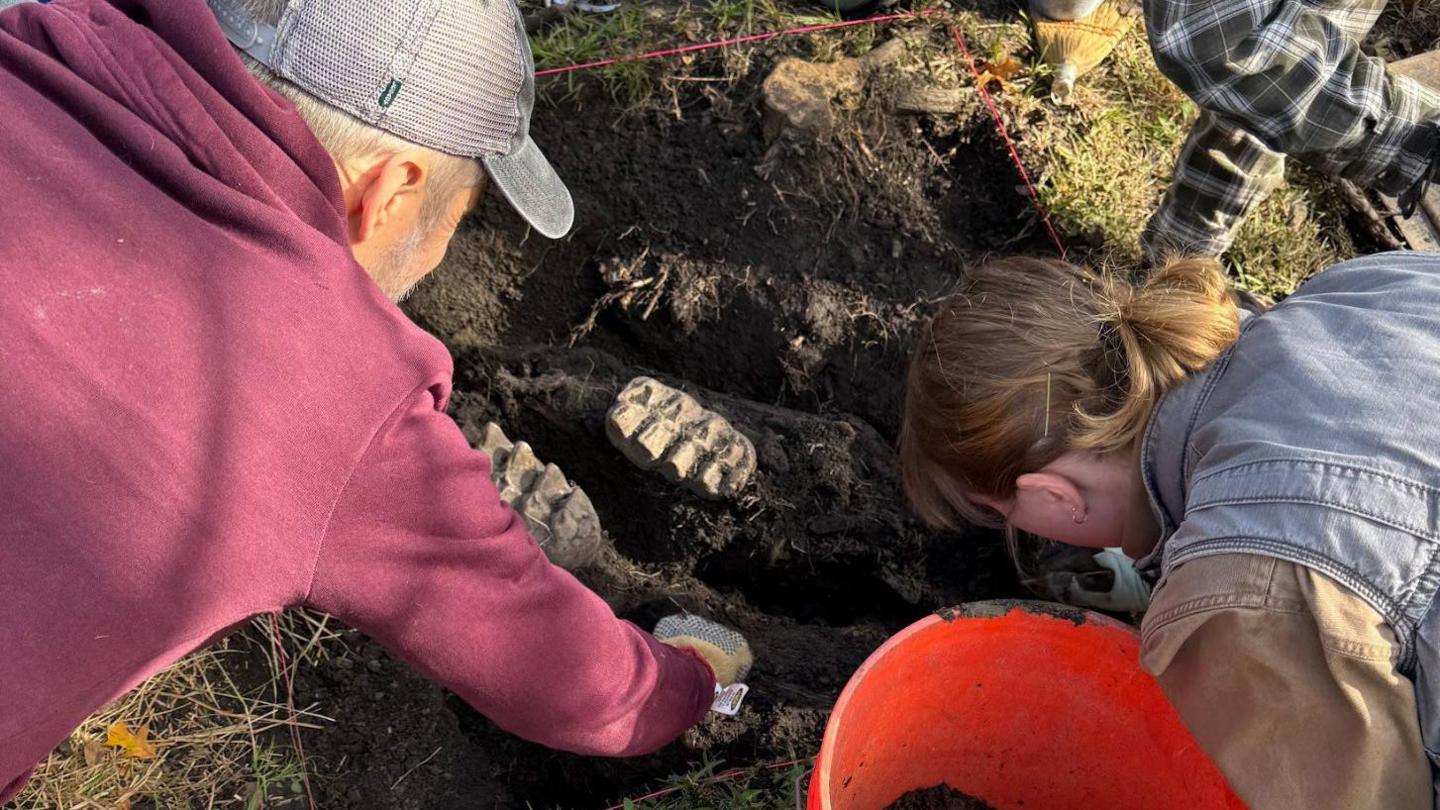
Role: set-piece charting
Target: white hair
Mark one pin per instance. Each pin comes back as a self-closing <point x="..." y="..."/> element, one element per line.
<point x="345" y="137"/>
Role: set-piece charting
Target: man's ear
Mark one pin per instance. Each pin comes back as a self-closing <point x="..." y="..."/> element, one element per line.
<point x="386" y="195"/>
<point x="1049" y="494"/>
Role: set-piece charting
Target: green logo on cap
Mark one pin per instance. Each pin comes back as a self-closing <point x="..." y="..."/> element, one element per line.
<point x="387" y="96"/>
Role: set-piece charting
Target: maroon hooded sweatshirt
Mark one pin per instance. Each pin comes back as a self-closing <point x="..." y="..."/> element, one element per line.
<point x="209" y="411"/>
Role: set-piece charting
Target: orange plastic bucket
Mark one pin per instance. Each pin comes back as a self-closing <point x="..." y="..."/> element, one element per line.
<point x="1024" y="705"/>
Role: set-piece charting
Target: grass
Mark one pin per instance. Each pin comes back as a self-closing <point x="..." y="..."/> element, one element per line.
<point x="219" y="743"/>
<point x="634" y="29"/>
<point x="1407" y="27"/>
<point x="760" y="787"/>
<point x="1107" y="166"/>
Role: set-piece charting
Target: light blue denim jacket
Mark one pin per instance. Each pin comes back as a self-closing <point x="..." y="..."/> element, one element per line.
<point x="1316" y="439"/>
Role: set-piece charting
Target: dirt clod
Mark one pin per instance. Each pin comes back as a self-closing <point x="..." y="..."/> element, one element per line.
<point x="940" y="797"/>
<point x="801" y="96"/>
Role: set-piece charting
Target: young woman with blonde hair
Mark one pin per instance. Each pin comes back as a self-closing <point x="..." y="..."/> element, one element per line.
<point x="1279" y="477"/>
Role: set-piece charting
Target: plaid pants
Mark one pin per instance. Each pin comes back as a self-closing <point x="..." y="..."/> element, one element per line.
<point x="1275" y="78"/>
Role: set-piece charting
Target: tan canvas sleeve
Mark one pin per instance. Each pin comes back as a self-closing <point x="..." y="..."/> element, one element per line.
<point x="1288" y="681"/>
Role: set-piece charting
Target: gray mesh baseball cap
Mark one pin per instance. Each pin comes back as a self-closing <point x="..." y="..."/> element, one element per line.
<point x="454" y="75"/>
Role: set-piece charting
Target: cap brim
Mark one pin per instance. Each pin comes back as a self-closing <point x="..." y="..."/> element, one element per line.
<point x="532" y="187"/>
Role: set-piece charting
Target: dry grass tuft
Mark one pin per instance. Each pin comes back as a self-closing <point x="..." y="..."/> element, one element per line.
<point x="221" y="737"/>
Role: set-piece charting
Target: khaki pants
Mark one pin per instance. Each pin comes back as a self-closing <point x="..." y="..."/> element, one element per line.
<point x="1288" y="681"/>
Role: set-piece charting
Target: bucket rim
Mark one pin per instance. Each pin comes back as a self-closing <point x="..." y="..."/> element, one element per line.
<point x="987" y="609"/>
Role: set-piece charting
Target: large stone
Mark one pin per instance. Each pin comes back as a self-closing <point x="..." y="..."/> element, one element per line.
<point x="801" y="98"/>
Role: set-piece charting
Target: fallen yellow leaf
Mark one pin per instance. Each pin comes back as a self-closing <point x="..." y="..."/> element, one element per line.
<point x="134" y="745"/>
<point x="1004" y="70"/>
<point x="1000" y="73"/>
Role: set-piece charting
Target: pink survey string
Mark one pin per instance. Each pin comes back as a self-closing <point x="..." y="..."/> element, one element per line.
<point x="877" y="20"/>
<point x="725" y="43"/>
<point x="1009" y="144"/>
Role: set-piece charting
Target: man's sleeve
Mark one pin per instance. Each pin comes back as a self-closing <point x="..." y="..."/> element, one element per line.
<point x="1292" y="73"/>
<point x="422" y="555"/>
<point x="1288" y="681"/>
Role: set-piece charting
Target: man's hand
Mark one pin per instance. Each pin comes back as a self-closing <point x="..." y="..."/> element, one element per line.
<point x="726" y="651"/>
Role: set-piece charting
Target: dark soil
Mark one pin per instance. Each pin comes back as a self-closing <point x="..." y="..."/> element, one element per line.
<point x="785" y="282"/>
<point x="940" y="797"/>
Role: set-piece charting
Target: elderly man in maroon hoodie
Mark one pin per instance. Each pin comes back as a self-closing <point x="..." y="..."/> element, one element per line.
<point x="210" y="406"/>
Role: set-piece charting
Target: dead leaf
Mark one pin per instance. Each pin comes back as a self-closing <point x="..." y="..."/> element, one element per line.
<point x="93" y="751"/>
<point x="1000" y="72"/>
<point x="1006" y="69"/>
<point x="134" y="745"/>
<point x="251" y="796"/>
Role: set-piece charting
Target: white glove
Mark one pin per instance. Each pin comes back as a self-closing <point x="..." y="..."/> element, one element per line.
<point x="1103" y="580"/>
<point x="726" y="651"/>
<point x="1129" y="594"/>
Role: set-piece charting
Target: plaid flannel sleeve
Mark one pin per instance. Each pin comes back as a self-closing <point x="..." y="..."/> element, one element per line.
<point x="1292" y="73"/>
<point x="1281" y="77"/>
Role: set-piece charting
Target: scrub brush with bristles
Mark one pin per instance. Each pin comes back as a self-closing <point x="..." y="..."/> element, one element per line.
<point x="1074" y="47"/>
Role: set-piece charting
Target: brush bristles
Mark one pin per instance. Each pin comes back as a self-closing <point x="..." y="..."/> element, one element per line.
<point x="1082" y="44"/>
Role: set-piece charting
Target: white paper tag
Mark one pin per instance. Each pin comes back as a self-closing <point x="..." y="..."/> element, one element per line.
<point x="727" y="700"/>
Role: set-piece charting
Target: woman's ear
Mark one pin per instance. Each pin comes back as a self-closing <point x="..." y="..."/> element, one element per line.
<point x="1049" y="500"/>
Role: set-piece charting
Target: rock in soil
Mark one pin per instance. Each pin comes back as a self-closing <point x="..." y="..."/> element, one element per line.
<point x="940" y="797"/>
<point x="801" y="97"/>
